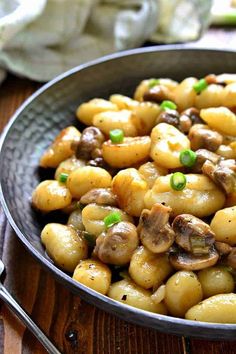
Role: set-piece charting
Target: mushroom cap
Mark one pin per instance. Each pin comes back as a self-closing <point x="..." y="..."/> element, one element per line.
<point x="155" y="231"/>
<point x="193" y="234"/>
<point x="188" y="261"/>
<point x="91" y="139"/>
<point x="202" y="156"/>
<point x="101" y="196"/>
<point x="117" y="244"/>
<point x="222" y="174"/>
<point x="201" y="136"/>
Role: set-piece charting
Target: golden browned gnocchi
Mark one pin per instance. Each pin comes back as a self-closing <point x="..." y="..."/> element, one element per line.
<point x="182" y="291"/>
<point x="166" y="144"/>
<point x="224" y="225"/>
<point x="220" y="308"/>
<point x="184" y="93"/>
<point x="85" y="178"/>
<point x="129" y="293"/>
<point x="61" y="148"/>
<point x="64" y="245"/>
<point x="145" y="115"/>
<point x="94" y="274"/>
<point x="123" y="119"/>
<point x="94" y="214"/>
<point x="216" y="280"/>
<point x="67" y="166"/>
<point x="149" y="191"/>
<point x="86" y="111"/>
<point x="212" y="96"/>
<point x="148" y="269"/>
<point x="200" y="197"/>
<point x="129" y="152"/>
<point x="130" y="188"/>
<point x="123" y="102"/>
<point x="215" y="116"/>
<point x="51" y="195"/>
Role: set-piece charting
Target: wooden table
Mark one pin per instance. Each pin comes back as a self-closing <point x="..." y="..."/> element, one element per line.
<point x="72" y="324"/>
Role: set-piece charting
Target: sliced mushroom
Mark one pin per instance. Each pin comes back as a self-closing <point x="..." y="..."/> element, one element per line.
<point x="223" y="248"/>
<point x="202" y="156"/>
<point x="90" y="142"/>
<point x="222" y="174"/>
<point x="202" y="137"/>
<point x="117" y="244"/>
<point x="170" y="117"/>
<point x="155" y="231"/>
<point x="192" y="234"/>
<point x="188" y="261"/>
<point x="231" y="259"/>
<point x="156" y="94"/>
<point x="183" y="121"/>
<point x="189" y="117"/>
<point x="101" y="196"/>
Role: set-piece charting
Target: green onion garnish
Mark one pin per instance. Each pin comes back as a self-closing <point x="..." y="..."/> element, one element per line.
<point x="188" y="157"/>
<point x="112" y="219"/>
<point x="117" y="135"/>
<point x="153" y="82"/>
<point x="178" y="181"/>
<point x="91" y="239"/>
<point x="165" y="105"/>
<point x="63" y="177"/>
<point x="200" y="85"/>
<point x="198" y="245"/>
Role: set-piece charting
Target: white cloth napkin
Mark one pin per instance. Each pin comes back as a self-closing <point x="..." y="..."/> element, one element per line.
<point x="39" y="39"/>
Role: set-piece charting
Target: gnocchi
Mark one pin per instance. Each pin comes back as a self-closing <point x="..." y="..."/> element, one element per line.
<point x="219" y="308"/>
<point x="51" y="195"/>
<point x="201" y="197"/>
<point x="86" y="111"/>
<point x="61" y="148"/>
<point x="129" y="293"/>
<point x="85" y="178"/>
<point x="130" y="188"/>
<point x="93" y="274"/>
<point x="148" y="269"/>
<point x="64" y="245"/>
<point x="127" y="153"/>
<point x="166" y="144"/>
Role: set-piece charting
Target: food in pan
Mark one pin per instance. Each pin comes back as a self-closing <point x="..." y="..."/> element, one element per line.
<point x="149" y="187"/>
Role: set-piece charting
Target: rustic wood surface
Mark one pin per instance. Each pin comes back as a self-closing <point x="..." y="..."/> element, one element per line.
<point x="73" y="325"/>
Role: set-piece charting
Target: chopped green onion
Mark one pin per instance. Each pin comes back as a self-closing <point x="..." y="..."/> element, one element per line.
<point x="200" y="86"/>
<point x="63" y="177"/>
<point x="112" y="219"/>
<point x="165" y="105"/>
<point x="91" y="239"/>
<point x="117" y="135"/>
<point x="198" y="245"/>
<point x="153" y="82"/>
<point x="188" y="157"/>
<point x="178" y="181"/>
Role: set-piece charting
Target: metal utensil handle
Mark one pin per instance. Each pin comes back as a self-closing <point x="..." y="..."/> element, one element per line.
<point x="15" y="307"/>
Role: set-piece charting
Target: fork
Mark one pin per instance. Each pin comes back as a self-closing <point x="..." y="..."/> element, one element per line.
<point x="22" y="315"/>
